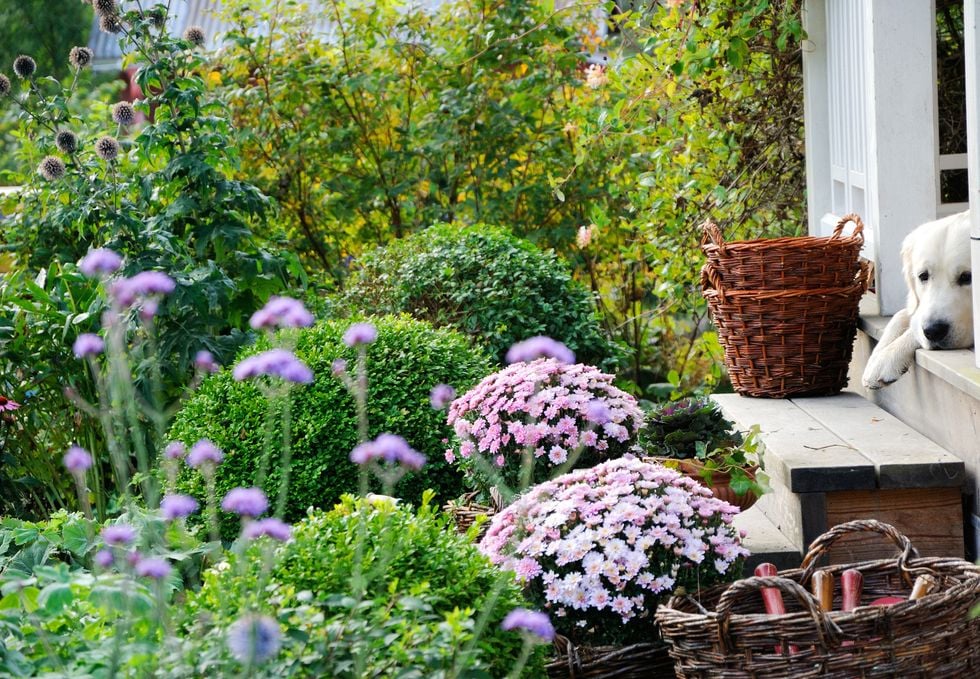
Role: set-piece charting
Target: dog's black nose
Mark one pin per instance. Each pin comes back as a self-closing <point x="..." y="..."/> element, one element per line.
<point x="936" y="332"/>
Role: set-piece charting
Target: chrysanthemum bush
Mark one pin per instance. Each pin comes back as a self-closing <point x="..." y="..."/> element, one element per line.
<point x="537" y="418"/>
<point x="599" y="548"/>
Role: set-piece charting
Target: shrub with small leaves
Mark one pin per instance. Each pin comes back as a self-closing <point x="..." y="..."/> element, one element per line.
<point x="404" y="362"/>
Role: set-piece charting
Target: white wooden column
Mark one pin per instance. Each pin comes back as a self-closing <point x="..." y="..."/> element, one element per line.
<point x="903" y="141"/>
<point x="971" y="34"/>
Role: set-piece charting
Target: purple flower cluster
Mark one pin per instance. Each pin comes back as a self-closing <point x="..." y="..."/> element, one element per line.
<point x="611" y="540"/>
<point x="204" y="452"/>
<point x="245" y="502"/>
<point x="389" y="448"/>
<point x="175" y="451"/>
<point x="128" y="291"/>
<point x="77" y="460"/>
<point x="100" y="262"/>
<point x="118" y="534"/>
<point x="553" y="409"/>
<point x="254" y="639"/>
<point x="539" y="347"/>
<point x="153" y="567"/>
<point x="272" y="527"/>
<point x="88" y="344"/>
<point x="360" y="333"/>
<point x="174" y="507"/>
<point x="281" y="312"/>
<point x="535" y="622"/>
<point x="275" y="362"/>
<point x="205" y="363"/>
<point x="441" y="396"/>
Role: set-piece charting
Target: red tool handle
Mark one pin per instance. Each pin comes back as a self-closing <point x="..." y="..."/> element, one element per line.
<point x="772" y="598"/>
<point x="851" y="583"/>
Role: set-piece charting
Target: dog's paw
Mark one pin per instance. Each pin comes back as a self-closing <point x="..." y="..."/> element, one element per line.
<point x="884" y="368"/>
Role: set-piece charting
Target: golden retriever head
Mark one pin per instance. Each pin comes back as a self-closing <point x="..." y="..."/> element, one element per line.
<point x="936" y="263"/>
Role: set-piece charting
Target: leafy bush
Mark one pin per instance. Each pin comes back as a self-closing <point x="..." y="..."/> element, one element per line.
<point x="600" y="547"/>
<point x="407" y="360"/>
<point x="546" y="415"/>
<point x="485" y="282"/>
<point x="675" y="429"/>
<point x="422" y="580"/>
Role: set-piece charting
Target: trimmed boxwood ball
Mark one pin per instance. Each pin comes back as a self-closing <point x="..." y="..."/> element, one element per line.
<point x="408" y="358"/>
<point x="486" y="282"/>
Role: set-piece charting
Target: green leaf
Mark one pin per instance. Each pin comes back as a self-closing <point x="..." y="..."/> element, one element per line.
<point x="55" y="596"/>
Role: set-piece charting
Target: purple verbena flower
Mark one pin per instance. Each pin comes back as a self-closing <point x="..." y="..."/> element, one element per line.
<point x="127" y="291"/>
<point x="339" y="366"/>
<point x="275" y="362"/>
<point x="535" y="622"/>
<point x="204" y="451"/>
<point x="245" y="501"/>
<point x="153" y="567"/>
<point x="441" y="396"/>
<point x="272" y="527"/>
<point x="100" y="261"/>
<point x="254" y="639"/>
<point x="204" y="362"/>
<point x="118" y="534"/>
<point x="174" y="507"/>
<point x="281" y="312"/>
<point x="539" y="347"/>
<point x="360" y="333"/>
<point x="77" y="460"/>
<point x="87" y="344"/>
<point x="175" y="451"/>
<point x="103" y="558"/>
<point x="390" y="448"/>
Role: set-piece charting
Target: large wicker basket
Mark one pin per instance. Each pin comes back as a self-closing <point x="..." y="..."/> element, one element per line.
<point x="785" y="341"/>
<point x="786" y="263"/>
<point x="636" y="661"/>
<point x="723" y="634"/>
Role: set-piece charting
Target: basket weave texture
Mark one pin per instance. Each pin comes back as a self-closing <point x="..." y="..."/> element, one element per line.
<point x="724" y="634"/>
<point x="636" y="661"/>
<point x="792" y="334"/>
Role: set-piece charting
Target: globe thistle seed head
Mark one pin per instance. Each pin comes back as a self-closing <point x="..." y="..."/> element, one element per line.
<point x="105" y="7"/>
<point x="52" y="168"/>
<point x="124" y="113"/>
<point x="107" y="148"/>
<point x="24" y="67"/>
<point x="109" y="23"/>
<point x="80" y="57"/>
<point x="67" y="142"/>
<point x="195" y="36"/>
<point x="4" y="85"/>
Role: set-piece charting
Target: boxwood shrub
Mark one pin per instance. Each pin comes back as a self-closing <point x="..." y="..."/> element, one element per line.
<point x="421" y="578"/>
<point x="486" y="282"/>
<point x="407" y="360"/>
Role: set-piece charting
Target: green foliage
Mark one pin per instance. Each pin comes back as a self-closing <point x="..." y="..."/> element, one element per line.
<point x="423" y="584"/>
<point x="485" y="282"/>
<point x="44" y="29"/>
<point x="407" y="360"/>
<point x="168" y="202"/>
<point x="675" y="429"/>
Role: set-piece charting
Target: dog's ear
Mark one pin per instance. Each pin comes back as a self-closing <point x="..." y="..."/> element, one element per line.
<point x="908" y="245"/>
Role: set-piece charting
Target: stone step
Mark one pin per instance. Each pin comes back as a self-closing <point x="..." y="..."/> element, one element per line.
<point x="765" y="541"/>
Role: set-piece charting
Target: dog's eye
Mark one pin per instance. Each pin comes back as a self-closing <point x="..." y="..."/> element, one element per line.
<point x="965" y="278"/>
<point x="924" y="276"/>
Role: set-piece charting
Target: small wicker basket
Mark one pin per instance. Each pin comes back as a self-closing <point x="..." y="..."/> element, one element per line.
<point x="636" y="661"/>
<point x="723" y="633"/>
<point x="784" y="341"/>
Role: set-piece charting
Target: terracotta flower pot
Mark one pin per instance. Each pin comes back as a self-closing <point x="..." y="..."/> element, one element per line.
<point x="720" y="483"/>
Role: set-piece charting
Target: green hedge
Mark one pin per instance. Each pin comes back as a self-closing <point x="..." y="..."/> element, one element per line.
<point x="407" y="360"/>
<point x="485" y="282"/>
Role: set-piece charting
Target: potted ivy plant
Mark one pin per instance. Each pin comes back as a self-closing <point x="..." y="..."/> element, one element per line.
<point x="694" y="437"/>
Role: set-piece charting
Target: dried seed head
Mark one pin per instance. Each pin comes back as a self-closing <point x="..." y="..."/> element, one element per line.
<point x="4" y="85"/>
<point x="67" y="142"/>
<point x="80" y="57"/>
<point x="195" y="36"/>
<point x="109" y="23"/>
<point x="105" y="7"/>
<point x="107" y="148"/>
<point x="124" y="113"/>
<point x="24" y="66"/>
<point x="52" y="168"/>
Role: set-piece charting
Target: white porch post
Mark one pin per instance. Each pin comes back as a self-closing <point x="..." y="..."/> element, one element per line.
<point x="971" y="34"/>
<point x="904" y="149"/>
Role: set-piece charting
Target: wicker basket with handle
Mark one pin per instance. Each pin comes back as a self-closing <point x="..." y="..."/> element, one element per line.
<point x="787" y="341"/>
<point x="786" y="263"/>
<point x="724" y="634"/>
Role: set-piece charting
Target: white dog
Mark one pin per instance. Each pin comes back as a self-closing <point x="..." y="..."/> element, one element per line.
<point x="938" y="313"/>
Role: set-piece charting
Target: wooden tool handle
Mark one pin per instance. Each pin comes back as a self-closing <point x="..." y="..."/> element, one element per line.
<point x="924" y="584"/>
<point x="851" y="583"/>
<point x="822" y="585"/>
